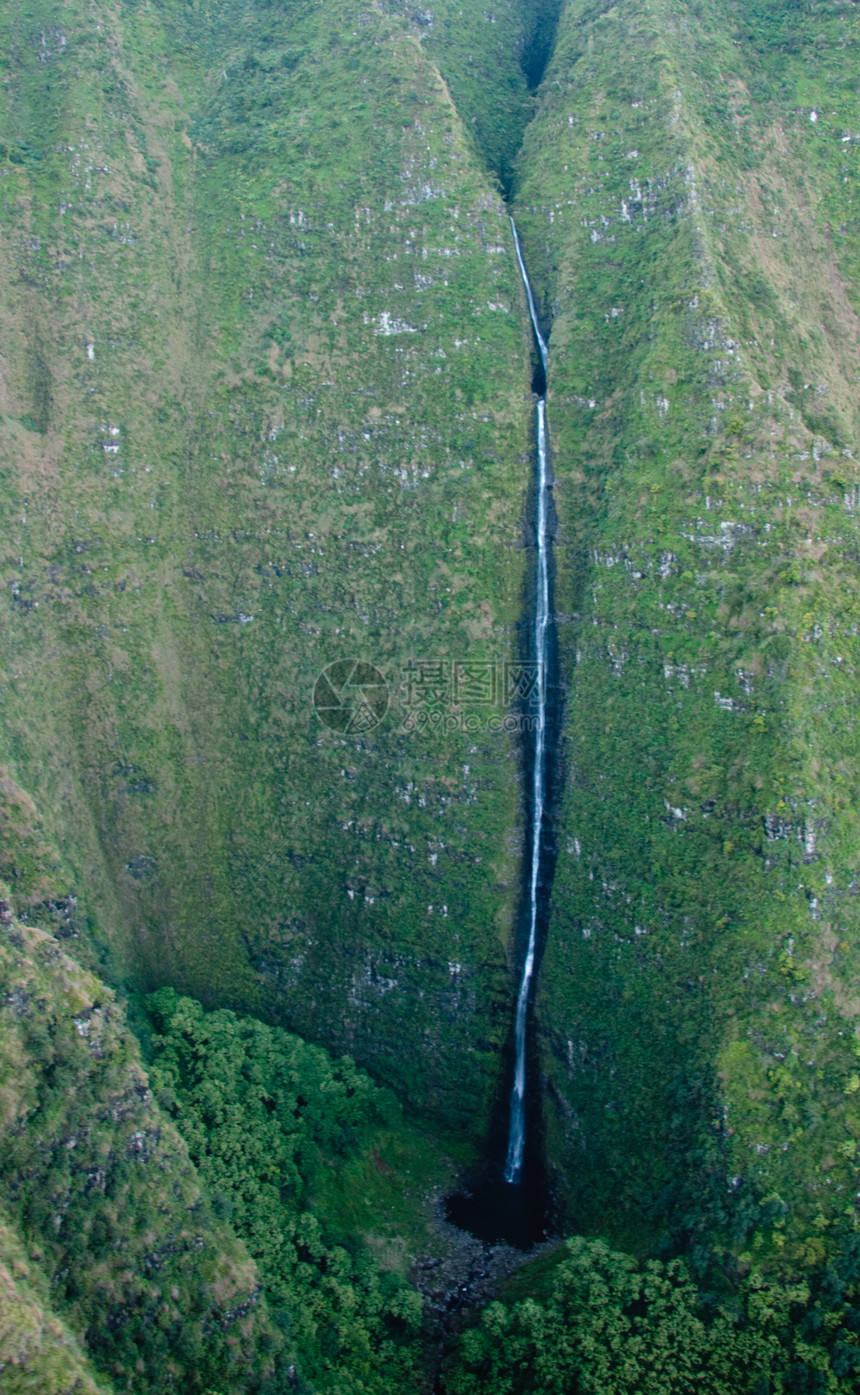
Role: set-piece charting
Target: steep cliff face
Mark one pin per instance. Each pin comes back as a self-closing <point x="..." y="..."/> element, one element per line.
<point x="241" y="1213"/>
<point x="106" y="1234"/>
<point x="37" y="1351"/>
<point x="265" y="394"/>
<point x="492" y="62"/>
<point x="691" y="219"/>
<point x="264" y="383"/>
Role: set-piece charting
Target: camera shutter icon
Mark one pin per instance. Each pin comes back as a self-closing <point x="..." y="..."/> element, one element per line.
<point x="351" y="696"/>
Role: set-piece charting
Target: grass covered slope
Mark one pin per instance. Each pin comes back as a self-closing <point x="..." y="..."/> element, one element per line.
<point x="264" y="406"/>
<point x="491" y="60"/>
<point x="691" y="222"/>
<point x="107" y="1232"/>
<point x="243" y="1214"/>
<point x="280" y="1135"/>
<point x="37" y="1351"/>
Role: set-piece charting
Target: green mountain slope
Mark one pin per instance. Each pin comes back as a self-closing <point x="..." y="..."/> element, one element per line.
<point x="491" y="60"/>
<point x="105" y="1221"/>
<point x="690" y="222"/>
<point x="240" y="1214"/>
<point x="265" y="407"/>
<point x="37" y="1351"/>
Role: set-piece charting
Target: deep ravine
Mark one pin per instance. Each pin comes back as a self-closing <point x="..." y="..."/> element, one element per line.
<point x="517" y="1129"/>
<point x="507" y="1202"/>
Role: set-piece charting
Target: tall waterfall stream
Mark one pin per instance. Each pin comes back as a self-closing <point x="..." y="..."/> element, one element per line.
<point x="517" y="1132"/>
<point x="509" y="1204"/>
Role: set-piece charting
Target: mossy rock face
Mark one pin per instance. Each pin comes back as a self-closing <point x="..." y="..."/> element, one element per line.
<point x="266" y="409"/>
<point x="280" y="419"/>
<point x="696" y="1004"/>
<point x="37" y="1351"/>
<point x="238" y="1212"/>
<point x="109" y="1244"/>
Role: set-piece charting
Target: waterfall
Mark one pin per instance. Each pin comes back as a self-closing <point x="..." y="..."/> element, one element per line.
<point x="517" y="1134"/>
<point x="541" y="342"/>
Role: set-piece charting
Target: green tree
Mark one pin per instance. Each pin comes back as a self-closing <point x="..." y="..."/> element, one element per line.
<point x="263" y="1113"/>
<point x="609" y="1326"/>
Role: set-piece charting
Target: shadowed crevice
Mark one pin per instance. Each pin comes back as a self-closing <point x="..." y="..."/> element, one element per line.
<point x="510" y="1203"/>
<point x="539" y="42"/>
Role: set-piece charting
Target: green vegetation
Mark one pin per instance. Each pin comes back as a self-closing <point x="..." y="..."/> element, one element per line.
<point x="607" y="1326"/>
<point x="301" y="432"/>
<point x="266" y="1117"/>
<point x="492" y="60"/>
<point x="38" y="1353"/>
<point x="110" y="1236"/>
<point x="696" y="1003"/>
<point x="264" y="372"/>
<point x="210" y="1225"/>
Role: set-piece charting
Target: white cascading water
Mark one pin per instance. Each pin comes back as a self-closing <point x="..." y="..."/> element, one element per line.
<point x="541" y="342"/>
<point x="517" y="1134"/>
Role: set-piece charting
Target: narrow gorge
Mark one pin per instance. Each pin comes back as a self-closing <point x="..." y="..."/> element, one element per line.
<point x="489" y="1211"/>
<point x="428" y="842"/>
<point x="540" y="755"/>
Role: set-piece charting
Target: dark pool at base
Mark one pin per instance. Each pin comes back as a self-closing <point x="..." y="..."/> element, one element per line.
<point x="500" y="1212"/>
